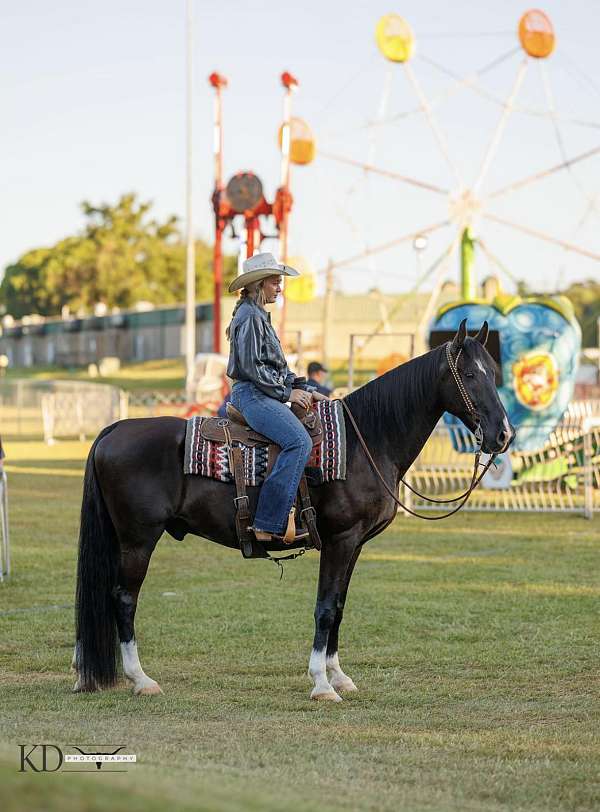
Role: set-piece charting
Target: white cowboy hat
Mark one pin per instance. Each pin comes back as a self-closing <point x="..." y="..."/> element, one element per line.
<point x="258" y="267"/>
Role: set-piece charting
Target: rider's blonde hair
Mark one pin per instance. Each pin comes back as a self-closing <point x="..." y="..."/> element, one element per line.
<point x="254" y="290"/>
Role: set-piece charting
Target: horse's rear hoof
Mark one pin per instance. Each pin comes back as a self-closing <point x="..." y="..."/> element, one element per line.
<point x="150" y="689"/>
<point x="326" y="696"/>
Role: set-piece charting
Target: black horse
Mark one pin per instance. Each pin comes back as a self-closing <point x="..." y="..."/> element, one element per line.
<point x="135" y="489"/>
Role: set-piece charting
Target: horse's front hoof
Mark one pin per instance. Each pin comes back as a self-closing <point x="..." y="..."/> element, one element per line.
<point x="325" y="696"/>
<point x="148" y="689"/>
<point x="345" y="684"/>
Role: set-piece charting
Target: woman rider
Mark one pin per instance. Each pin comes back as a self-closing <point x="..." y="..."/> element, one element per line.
<point x="263" y="384"/>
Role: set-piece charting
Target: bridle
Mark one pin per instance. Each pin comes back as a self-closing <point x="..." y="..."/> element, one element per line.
<point x="475" y="479"/>
<point x="473" y="413"/>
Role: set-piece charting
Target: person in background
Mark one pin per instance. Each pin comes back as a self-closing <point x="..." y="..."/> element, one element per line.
<point x="317" y="375"/>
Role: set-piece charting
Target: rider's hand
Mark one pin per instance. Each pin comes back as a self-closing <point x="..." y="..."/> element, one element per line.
<point x="319" y="396"/>
<point x="302" y="398"/>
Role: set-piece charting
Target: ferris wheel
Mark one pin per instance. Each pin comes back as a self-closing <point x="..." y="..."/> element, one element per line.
<point x="469" y="206"/>
<point x="535" y="340"/>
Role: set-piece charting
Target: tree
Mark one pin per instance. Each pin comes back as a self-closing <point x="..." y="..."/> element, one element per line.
<point x="585" y="297"/>
<point x="122" y="256"/>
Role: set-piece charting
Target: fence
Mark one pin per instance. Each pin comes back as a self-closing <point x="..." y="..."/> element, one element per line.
<point x="563" y="476"/>
<point x="58" y="408"/>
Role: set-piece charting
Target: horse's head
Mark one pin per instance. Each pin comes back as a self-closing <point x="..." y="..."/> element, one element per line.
<point x="468" y="389"/>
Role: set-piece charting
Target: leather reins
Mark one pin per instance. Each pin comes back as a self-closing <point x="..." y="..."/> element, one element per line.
<point x="475" y="479"/>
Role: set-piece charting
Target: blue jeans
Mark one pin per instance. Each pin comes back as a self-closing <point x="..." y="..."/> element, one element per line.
<point x="276" y="421"/>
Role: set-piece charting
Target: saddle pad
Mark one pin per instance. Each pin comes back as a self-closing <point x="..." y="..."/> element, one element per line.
<point x="328" y="458"/>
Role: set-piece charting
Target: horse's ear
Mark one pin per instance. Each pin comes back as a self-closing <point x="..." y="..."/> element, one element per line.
<point x="482" y="335"/>
<point x="459" y="339"/>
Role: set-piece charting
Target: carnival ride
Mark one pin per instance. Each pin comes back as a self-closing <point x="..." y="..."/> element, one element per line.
<point x="536" y="340"/>
<point x="240" y="207"/>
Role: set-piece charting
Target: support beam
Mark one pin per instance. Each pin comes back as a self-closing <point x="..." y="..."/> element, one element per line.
<point x="386" y="246"/>
<point x="519" y="184"/>
<point x="495" y="141"/>
<point x="532" y="232"/>
<point x="386" y="173"/>
<point x="437" y="133"/>
<point x="190" y="267"/>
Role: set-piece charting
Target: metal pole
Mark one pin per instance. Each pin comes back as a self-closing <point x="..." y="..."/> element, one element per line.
<point x="494" y="143"/>
<point x="218" y="284"/>
<point x="327" y="313"/>
<point x="351" y="365"/>
<point x="289" y="83"/>
<point x="218" y="82"/>
<point x="5" y="556"/>
<point x="190" y="274"/>
<point x="468" y="288"/>
<point x="588" y="497"/>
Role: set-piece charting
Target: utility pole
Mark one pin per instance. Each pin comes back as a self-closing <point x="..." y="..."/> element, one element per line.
<point x="327" y="312"/>
<point x="290" y="83"/>
<point x="218" y="82"/>
<point x="190" y="272"/>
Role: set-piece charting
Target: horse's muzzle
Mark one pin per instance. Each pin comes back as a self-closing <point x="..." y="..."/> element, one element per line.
<point x="504" y="438"/>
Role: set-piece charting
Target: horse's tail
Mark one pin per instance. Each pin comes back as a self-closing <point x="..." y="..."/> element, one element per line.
<point x="96" y="578"/>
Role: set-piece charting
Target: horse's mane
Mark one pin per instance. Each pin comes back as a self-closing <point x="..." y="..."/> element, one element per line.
<point x="390" y="401"/>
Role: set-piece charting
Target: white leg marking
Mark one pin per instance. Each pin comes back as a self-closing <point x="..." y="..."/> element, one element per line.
<point x="142" y="683"/>
<point x="316" y="669"/>
<point x="339" y="680"/>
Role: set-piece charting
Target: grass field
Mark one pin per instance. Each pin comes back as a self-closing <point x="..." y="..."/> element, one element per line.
<point x="168" y="373"/>
<point x="474" y="644"/>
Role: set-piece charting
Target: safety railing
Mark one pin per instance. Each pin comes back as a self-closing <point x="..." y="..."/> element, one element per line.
<point x="562" y="476"/>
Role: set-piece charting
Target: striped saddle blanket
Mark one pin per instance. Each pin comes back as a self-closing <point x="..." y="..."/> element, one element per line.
<point x="327" y="461"/>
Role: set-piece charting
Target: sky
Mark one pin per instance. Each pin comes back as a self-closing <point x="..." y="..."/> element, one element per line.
<point x="93" y="106"/>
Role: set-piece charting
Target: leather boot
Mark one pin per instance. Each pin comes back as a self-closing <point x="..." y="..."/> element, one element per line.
<point x="290" y="536"/>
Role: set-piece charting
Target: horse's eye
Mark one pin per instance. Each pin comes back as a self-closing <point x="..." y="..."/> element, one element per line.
<point x="469" y="374"/>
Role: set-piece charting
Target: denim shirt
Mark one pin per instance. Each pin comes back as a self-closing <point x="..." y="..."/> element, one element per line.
<point x="255" y="354"/>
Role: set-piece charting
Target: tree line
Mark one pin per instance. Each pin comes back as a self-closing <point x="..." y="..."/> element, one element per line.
<point x="122" y="256"/>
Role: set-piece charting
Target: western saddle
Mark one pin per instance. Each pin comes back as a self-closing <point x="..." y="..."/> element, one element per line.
<point x="233" y="431"/>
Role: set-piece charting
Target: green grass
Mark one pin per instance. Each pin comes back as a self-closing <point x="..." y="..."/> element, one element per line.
<point x="474" y="644"/>
<point x="168" y="373"/>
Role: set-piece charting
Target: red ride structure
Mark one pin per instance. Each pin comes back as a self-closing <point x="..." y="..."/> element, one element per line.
<point x="243" y="197"/>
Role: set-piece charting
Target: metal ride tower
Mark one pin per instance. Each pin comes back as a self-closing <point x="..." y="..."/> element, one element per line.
<point x="241" y="207"/>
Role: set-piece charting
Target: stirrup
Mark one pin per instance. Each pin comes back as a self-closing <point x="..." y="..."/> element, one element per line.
<point x="300" y="535"/>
